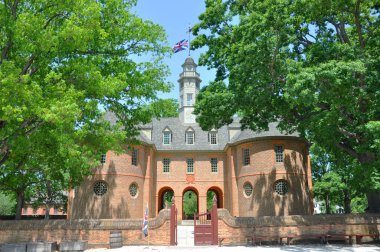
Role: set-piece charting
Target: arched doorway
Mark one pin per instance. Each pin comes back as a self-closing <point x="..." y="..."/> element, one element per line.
<point x="165" y="196"/>
<point x="190" y="203"/>
<point x="214" y="191"/>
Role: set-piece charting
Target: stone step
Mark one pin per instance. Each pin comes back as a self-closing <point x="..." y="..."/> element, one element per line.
<point x="187" y="223"/>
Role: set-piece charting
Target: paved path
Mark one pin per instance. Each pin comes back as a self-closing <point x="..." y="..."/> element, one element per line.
<point x="291" y="248"/>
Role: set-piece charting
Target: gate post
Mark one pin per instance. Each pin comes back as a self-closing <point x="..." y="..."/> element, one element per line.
<point x="173" y="224"/>
<point x="214" y="222"/>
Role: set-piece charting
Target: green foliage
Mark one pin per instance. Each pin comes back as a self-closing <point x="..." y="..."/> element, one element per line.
<point x="8" y="204"/>
<point x="168" y="199"/>
<point x="163" y="108"/>
<point x="210" y="199"/>
<point x="61" y="64"/>
<point x="311" y="66"/>
<point x="359" y="204"/>
<point x="330" y="185"/>
<point x="190" y="204"/>
<point x="340" y="180"/>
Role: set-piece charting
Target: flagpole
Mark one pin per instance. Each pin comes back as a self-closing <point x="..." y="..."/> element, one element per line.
<point x="148" y="225"/>
<point x="189" y="31"/>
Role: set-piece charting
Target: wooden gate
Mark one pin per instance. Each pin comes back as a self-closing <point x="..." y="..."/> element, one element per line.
<point x="173" y="224"/>
<point x="206" y="227"/>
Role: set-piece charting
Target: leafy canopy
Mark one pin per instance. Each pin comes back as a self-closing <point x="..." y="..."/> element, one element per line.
<point x="61" y="64"/>
<point x="311" y="65"/>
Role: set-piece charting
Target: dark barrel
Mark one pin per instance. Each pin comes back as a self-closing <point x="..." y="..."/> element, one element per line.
<point x="116" y="239"/>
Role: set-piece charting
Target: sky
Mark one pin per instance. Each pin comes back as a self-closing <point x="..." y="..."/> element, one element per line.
<point x="175" y="17"/>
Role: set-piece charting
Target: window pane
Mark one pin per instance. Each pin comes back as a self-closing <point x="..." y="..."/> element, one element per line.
<point x="103" y="158"/>
<point x="134" y="157"/>
<point x="246" y="157"/>
<point x="279" y="150"/>
<point x="166" y="165"/>
<point x="281" y="187"/>
<point x="190" y="137"/>
<point x="214" y="165"/>
<point x="213" y="137"/>
<point x="190" y="165"/>
<point x="167" y="137"/>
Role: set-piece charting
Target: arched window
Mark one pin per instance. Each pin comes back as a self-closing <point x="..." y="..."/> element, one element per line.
<point x="167" y="136"/>
<point x="190" y="136"/>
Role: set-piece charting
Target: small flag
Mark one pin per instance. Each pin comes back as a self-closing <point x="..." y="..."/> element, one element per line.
<point x="181" y="45"/>
<point x="145" y="223"/>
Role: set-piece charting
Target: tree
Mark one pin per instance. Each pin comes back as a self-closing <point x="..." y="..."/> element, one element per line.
<point x="190" y="204"/>
<point x="330" y="189"/>
<point x="163" y="108"/>
<point x="339" y="179"/>
<point x="8" y="203"/>
<point x="61" y="65"/>
<point x="312" y="66"/>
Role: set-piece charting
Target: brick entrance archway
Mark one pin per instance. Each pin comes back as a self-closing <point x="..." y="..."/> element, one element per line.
<point x="218" y="194"/>
<point x="189" y="194"/>
<point x="165" y="195"/>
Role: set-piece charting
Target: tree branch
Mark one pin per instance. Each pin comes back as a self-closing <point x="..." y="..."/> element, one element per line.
<point x="351" y="134"/>
<point x="358" y="25"/>
<point x="28" y="64"/>
<point x="348" y="149"/>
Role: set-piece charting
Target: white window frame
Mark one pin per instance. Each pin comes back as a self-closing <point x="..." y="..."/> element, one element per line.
<point x="279" y="153"/>
<point x="190" y="165"/>
<point x="190" y="137"/>
<point x="246" y="157"/>
<point x="167" y="135"/>
<point x="214" y="165"/>
<point x="166" y="165"/>
<point x="213" y="137"/>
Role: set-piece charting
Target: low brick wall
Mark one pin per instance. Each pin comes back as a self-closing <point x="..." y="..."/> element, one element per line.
<point x="236" y="229"/>
<point x="96" y="232"/>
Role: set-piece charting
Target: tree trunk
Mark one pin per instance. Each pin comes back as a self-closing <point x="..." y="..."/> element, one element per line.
<point x="49" y="199"/>
<point x="47" y="212"/>
<point x="20" y="205"/>
<point x="347" y="201"/>
<point x="327" y="203"/>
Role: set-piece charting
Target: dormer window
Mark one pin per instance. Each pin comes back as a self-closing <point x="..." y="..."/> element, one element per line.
<point x="190" y="136"/>
<point x="167" y="136"/>
<point x="213" y="137"/>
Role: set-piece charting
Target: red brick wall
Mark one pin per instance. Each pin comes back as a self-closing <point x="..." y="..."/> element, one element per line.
<point x="235" y="230"/>
<point x="179" y="181"/>
<point x="96" y="232"/>
<point x="262" y="172"/>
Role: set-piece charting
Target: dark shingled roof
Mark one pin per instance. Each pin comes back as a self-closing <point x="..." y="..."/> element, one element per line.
<point x="178" y="129"/>
<point x="201" y="143"/>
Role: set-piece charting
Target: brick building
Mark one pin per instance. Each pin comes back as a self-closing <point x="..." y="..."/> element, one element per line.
<point x="251" y="173"/>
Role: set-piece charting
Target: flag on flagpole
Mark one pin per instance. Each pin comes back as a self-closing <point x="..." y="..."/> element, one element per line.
<point x="145" y="222"/>
<point x="181" y="45"/>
